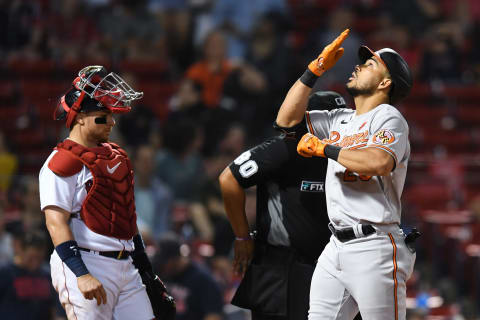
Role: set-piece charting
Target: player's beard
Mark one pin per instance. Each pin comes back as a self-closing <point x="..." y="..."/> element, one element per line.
<point x="99" y="137"/>
<point x="356" y="91"/>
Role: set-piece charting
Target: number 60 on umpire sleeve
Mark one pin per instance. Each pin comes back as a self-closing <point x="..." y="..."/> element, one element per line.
<point x="247" y="167"/>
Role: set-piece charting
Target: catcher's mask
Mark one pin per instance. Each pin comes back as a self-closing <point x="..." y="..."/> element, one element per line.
<point x="94" y="89"/>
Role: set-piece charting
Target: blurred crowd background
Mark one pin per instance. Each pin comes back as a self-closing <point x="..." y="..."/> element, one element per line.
<point x="214" y="73"/>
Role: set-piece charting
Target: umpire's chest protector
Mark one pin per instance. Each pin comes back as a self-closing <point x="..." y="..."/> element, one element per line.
<point x="109" y="208"/>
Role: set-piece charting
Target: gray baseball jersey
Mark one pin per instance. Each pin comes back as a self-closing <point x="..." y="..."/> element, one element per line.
<point x="354" y="198"/>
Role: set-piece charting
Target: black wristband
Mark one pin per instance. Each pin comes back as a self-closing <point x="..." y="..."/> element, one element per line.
<point x="309" y="78"/>
<point x="70" y="255"/>
<point x="332" y="151"/>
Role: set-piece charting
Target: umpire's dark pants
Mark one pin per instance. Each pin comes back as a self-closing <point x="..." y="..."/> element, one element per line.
<point x="276" y="285"/>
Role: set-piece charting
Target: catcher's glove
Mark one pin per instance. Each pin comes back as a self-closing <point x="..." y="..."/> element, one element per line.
<point x="163" y="304"/>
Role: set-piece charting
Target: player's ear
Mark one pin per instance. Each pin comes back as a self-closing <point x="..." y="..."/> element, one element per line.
<point x="385" y="83"/>
<point x="79" y="118"/>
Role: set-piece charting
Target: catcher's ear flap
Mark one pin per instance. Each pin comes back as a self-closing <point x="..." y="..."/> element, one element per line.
<point x="63" y="111"/>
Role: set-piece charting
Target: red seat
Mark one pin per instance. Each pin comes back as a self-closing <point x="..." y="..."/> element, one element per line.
<point x="424" y="115"/>
<point x="428" y="196"/>
<point x="468" y="113"/>
<point x="24" y="67"/>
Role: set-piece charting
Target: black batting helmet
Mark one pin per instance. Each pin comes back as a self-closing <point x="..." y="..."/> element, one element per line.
<point x="325" y="100"/>
<point x="396" y="66"/>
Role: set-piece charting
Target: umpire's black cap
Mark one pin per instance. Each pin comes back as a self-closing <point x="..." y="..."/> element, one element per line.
<point x="325" y="100"/>
<point x="397" y="67"/>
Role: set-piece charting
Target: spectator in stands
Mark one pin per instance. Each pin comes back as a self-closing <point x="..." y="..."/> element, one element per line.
<point x="208" y="213"/>
<point x="153" y="199"/>
<point x="441" y="58"/>
<point x="233" y="143"/>
<point x="137" y="126"/>
<point x="31" y="218"/>
<point x="179" y="164"/>
<point x="8" y="165"/>
<point x="6" y="247"/>
<point x="127" y="22"/>
<point x="25" y="290"/>
<point x="247" y="90"/>
<point x="70" y="28"/>
<point x="237" y="19"/>
<point x="474" y="56"/>
<point x="19" y="23"/>
<point x="176" y="18"/>
<point x="340" y="19"/>
<point x="187" y="102"/>
<point x="212" y="70"/>
<point x="268" y="51"/>
<point x="196" y="293"/>
<point x="417" y="15"/>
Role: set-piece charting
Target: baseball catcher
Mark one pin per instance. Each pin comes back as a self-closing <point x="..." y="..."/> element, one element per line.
<point x="87" y="195"/>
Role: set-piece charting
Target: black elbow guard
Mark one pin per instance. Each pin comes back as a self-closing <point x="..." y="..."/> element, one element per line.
<point x="297" y="130"/>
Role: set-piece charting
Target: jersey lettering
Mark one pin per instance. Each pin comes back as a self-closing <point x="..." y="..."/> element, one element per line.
<point x="354" y="139"/>
<point x="334" y="137"/>
<point x="248" y="169"/>
<point x="242" y="158"/>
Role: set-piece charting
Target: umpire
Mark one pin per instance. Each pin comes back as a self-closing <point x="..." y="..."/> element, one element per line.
<point x="291" y="220"/>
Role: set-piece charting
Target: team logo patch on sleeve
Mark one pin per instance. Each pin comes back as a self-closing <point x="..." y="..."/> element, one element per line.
<point x="383" y="136"/>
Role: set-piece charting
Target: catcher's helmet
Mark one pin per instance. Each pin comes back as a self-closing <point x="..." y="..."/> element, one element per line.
<point x="397" y="67"/>
<point x="95" y="89"/>
<point x="325" y="100"/>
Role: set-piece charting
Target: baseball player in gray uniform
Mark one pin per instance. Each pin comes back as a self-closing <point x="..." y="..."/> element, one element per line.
<point x="367" y="262"/>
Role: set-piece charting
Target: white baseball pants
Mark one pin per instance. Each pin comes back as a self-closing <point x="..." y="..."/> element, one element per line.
<point x="126" y="296"/>
<point x="366" y="274"/>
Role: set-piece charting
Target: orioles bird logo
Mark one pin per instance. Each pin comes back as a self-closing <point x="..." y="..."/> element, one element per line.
<point x="383" y="136"/>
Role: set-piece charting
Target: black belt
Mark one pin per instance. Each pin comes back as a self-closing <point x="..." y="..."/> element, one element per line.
<point x="347" y="234"/>
<point x="119" y="255"/>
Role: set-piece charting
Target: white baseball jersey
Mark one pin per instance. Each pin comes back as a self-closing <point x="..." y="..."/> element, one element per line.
<point x="69" y="193"/>
<point x="368" y="273"/>
<point x="353" y="198"/>
<point x="126" y="295"/>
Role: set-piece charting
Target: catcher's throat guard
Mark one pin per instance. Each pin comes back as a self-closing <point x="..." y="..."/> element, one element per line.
<point x="95" y="89"/>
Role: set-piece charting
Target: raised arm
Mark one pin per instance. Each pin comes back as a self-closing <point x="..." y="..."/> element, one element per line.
<point x="294" y="106"/>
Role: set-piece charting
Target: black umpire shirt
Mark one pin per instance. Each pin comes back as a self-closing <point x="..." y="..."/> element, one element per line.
<point x="291" y="205"/>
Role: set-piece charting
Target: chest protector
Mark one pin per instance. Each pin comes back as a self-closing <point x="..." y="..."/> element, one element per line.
<point x="109" y="208"/>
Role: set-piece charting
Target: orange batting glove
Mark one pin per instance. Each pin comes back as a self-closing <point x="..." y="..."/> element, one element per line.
<point x="310" y="146"/>
<point x="329" y="55"/>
